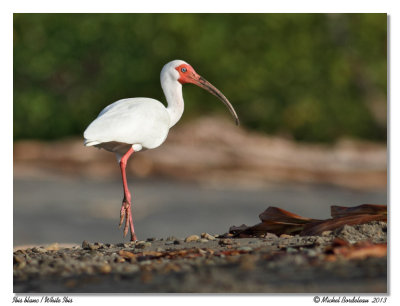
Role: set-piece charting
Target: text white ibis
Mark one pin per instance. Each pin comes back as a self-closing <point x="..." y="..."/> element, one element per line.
<point x="130" y="125"/>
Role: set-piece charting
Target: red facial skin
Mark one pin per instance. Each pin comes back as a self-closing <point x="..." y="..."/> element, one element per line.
<point x="189" y="76"/>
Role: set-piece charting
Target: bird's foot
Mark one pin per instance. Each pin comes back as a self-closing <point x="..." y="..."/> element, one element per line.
<point x="126" y="215"/>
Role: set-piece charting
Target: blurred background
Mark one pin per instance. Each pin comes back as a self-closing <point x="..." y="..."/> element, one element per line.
<point x="309" y="89"/>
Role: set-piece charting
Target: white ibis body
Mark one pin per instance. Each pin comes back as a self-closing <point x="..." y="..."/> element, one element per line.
<point x="130" y="125"/>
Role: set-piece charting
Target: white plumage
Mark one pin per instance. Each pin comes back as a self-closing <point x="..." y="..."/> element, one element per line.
<point x="130" y="125"/>
<point x="138" y="122"/>
<point x="142" y="122"/>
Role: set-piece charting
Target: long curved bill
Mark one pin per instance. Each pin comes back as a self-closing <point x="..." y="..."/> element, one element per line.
<point x="203" y="83"/>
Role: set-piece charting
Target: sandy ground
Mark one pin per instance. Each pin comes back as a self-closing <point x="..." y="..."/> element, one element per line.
<point x="207" y="264"/>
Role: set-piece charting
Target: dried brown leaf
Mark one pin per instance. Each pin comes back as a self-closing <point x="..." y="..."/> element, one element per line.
<point x="276" y="214"/>
<point x="318" y="227"/>
<point x="364" y="209"/>
<point x="279" y="221"/>
<point x="277" y="228"/>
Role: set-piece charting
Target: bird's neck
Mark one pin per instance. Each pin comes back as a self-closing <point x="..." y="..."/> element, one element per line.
<point x="173" y="93"/>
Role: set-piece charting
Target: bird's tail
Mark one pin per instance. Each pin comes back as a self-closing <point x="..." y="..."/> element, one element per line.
<point x="89" y="143"/>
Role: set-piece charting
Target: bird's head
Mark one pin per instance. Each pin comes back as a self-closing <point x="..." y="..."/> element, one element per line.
<point x="184" y="73"/>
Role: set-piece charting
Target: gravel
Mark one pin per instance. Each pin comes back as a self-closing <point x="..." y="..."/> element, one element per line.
<point x="374" y="231"/>
<point x="203" y="263"/>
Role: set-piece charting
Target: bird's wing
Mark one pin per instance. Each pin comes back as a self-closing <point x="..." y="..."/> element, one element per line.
<point x="133" y="121"/>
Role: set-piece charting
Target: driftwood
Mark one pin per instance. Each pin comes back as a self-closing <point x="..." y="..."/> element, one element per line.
<point x="279" y="221"/>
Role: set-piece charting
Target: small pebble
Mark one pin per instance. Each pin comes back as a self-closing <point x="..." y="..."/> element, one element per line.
<point x="99" y="245"/>
<point x="143" y="244"/>
<point x="126" y="254"/>
<point x="38" y="250"/>
<point x="53" y="247"/>
<point x="270" y="236"/>
<point x="192" y="238"/>
<point x="105" y="269"/>
<point x="326" y="233"/>
<point x="18" y="259"/>
<point x="93" y="246"/>
<point x="200" y="251"/>
<point x="245" y="248"/>
<point x="119" y="259"/>
<point x="207" y="236"/>
<point x="225" y="242"/>
<point x="131" y="269"/>
<point x="319" y="241"/>
<point x="85" y="245"/>
<point x="291" y="250"/>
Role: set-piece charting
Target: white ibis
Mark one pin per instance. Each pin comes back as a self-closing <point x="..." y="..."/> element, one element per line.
<point x="130" y="125"/>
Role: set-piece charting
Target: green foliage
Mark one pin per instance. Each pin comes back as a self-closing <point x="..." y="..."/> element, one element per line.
<point x="315" y="77"/>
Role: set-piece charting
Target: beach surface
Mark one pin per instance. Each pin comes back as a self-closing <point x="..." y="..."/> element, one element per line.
<point x="351" y="259"/>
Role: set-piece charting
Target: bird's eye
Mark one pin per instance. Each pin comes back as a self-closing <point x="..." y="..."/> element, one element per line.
<point x="183" y="69"/>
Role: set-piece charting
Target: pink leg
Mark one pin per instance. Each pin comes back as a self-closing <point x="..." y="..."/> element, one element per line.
<point x="126" y="212"/>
